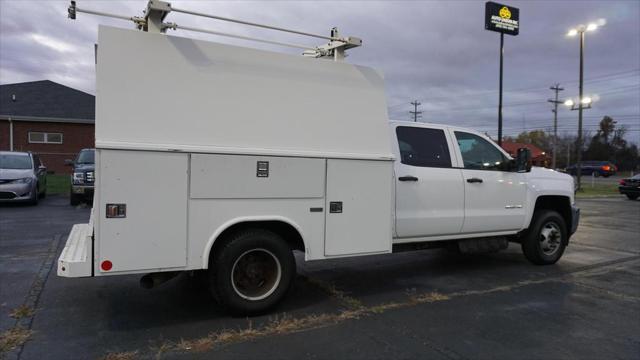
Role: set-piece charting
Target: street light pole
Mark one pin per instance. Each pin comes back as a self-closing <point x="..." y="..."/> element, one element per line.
<point x="580" y="103"/>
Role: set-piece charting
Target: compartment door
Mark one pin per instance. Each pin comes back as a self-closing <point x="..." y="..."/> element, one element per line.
<point x="153" y="186"/>
<point x="358" y="207"/>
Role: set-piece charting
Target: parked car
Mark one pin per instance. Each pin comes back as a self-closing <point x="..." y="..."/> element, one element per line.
<point x="595" y="168"/>
<point x="83" y="177"/>
<point x="23" y="177"/>
<point x="630" y="187"/>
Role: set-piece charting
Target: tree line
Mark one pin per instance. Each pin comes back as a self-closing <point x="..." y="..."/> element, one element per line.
<point x="607" y="144"/>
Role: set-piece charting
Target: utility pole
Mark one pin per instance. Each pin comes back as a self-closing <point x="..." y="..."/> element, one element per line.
<point x="555" y="103"/>
<point x="416" y="114"/>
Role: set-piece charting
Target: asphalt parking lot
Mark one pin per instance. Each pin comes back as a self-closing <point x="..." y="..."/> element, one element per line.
<point x="427" y="304"/>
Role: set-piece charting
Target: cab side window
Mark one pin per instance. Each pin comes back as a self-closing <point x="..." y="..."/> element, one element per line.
<point x="423" y="147"/>
<point x="479" y="154"/>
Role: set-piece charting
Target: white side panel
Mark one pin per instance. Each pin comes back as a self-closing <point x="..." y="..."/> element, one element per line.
<point x="208" y="218"/>
<point x="153" y="185"/>
<point x="157" y="91"/>
<point x="235" y="177"/>
<point x="364" y="225"/>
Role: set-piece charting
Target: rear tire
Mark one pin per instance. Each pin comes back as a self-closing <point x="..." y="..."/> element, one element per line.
<point x="546" y="239"/>
<point x="632" y="196"/>
<point x="74" y="199"/>
<point x="252" y="271"/>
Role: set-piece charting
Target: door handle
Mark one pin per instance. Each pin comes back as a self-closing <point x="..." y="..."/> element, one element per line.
<point x="474" y="180"/>
<point x="408" y="178"/>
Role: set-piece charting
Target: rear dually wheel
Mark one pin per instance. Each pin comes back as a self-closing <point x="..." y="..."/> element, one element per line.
<point x="252" y="271"/>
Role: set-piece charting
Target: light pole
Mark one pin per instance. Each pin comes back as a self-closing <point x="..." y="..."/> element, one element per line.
<point x="580" y="30"/>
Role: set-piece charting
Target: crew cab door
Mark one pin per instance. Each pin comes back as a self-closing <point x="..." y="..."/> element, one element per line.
<point x="494" y="195"/>
<point x="429" y="191"/>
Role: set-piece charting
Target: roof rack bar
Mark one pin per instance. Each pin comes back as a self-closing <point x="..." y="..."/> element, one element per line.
<point x="188" y="28"/>
<point x="157" y="10"/>
<point x="254" y="24"/>
<point x="73" y="9"/>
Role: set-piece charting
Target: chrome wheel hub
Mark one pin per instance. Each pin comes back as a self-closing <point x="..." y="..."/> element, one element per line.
<point x="550" y="238"/>
<point x="256" y="274"/>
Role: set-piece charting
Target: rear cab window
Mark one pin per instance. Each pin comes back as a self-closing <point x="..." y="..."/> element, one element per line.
<point x="423" y="147"/>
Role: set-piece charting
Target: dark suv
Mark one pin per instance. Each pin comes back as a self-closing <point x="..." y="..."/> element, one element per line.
<point x="595" y="168"/>
<point x="83" y="177"/>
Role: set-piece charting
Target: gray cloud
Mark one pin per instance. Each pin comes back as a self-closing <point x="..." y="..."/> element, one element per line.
<point x="436" y="52"/>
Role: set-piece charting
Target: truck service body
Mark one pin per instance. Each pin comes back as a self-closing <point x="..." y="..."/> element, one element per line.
<point x="224" y="158"/>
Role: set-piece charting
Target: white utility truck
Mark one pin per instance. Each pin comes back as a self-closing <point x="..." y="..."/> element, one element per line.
<point x="227" y="159"/>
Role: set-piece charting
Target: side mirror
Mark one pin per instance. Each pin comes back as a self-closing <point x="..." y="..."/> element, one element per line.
<point x="68" y="162"/>
<point x="523" y="160"/>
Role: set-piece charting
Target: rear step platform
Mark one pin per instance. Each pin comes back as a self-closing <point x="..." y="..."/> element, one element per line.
<point x="76" y="257"/>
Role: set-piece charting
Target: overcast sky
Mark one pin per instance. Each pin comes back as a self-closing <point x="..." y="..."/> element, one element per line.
<point x="436" y="52"/>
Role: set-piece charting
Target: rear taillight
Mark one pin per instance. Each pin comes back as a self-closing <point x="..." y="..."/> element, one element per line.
<point x="606" y="167"/>
<point x="622" y="182"/>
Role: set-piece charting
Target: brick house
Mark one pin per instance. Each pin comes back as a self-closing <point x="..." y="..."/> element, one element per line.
<point x="47" y="118"/>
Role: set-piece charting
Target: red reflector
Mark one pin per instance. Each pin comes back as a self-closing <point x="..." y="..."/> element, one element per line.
<point x="106" y="265"/>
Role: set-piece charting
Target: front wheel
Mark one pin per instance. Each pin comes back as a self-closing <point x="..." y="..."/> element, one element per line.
<point x="34" y="195"/>
<point x="632" y="196"/>
<point x="252" y="272"/>
<point x="546" y="239"/>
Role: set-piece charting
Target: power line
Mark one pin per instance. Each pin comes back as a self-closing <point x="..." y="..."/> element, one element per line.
<point x="598" y="78"/>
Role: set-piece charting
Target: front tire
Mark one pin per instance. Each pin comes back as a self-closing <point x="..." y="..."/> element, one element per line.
<point x="34" y="195"/>
<point x="632" y="196"/>
<point x="252" y="271"/>
<point x="547" y="237"/>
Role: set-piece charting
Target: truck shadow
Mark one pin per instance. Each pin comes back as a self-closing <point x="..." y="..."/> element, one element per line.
<point x="184" y="305"/>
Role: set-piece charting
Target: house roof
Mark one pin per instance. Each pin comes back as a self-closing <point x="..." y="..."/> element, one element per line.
<point x="512" y="148"/>
<point x="47" y="101"/>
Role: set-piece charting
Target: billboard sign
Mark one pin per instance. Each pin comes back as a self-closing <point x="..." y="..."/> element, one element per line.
<point x="501" y="18"/>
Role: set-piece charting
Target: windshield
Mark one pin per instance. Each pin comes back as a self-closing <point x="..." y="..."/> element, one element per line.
<point x="85" y="157"/>
<point x="15" y="161"/>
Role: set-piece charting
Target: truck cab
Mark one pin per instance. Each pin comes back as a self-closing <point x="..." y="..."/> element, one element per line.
<point x="456" y="183"/>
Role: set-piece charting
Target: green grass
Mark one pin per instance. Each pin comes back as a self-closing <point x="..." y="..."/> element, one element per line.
<point x="589" y="190"/>
<point x="58" y="184"/>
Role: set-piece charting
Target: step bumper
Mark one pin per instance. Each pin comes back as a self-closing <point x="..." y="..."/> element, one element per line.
<point x="76" y="257"/>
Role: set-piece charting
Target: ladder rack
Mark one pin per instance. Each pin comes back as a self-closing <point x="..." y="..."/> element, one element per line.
<point x="156" y="11"/>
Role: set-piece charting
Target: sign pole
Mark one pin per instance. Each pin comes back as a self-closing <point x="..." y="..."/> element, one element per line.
<point x="505" y="20"/>
<point x="500" y="95"/>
